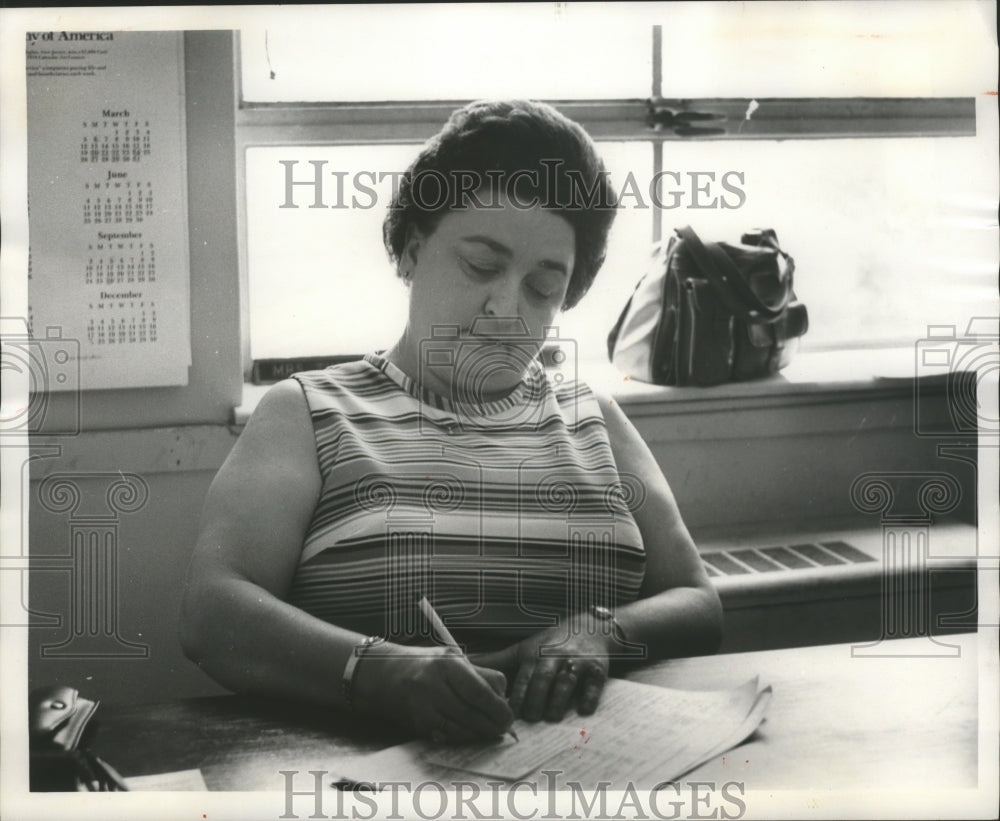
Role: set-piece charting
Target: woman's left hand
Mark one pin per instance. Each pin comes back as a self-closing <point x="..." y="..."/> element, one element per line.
<point x="551" y="669"/>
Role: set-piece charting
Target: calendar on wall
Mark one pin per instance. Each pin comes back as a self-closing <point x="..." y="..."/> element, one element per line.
<point x="108" y="265"/>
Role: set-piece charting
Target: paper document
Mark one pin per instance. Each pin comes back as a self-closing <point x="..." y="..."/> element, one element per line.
<point x="640" y="735"/>
<point x="108" y="264"/>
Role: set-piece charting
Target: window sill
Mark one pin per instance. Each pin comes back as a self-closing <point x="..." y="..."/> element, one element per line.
<point x="811" y="376"/>
<point x="818" y="377"/>
<point x="789" y="448"/>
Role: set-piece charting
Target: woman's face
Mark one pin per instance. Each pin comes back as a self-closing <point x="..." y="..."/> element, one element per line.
<point x="500" y="275"/>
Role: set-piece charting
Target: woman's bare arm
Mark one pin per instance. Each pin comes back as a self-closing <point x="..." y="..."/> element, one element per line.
<point x="236" y="626"/>
<point x="678" y="612"/>
<point x="234" y="623"/>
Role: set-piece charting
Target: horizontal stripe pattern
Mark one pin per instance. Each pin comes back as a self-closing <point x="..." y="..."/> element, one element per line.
<point x="507" y="514"/>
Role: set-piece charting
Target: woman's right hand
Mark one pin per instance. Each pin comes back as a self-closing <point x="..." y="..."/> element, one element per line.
<point x="434" y="691"/>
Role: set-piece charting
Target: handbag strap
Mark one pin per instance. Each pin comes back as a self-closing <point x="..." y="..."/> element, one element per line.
<point x="722" y="272"/>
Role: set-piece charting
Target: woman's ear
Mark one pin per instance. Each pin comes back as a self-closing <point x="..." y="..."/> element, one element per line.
<point x="412" y="248"/>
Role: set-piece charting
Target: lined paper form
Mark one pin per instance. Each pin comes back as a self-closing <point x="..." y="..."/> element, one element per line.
<point x="640" y="735"/>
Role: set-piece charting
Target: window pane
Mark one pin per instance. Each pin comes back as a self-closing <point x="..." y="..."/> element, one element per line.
<point x="628" y="253"/>
<point x="446" y="52"/>
<point x="937" y="48"/>
<point x="889" y="236"/>
<point x="319" y="278"/>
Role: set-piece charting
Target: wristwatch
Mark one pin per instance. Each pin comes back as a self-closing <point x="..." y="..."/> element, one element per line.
<point x="347" y="680"/>
<point x="604" y="614"/>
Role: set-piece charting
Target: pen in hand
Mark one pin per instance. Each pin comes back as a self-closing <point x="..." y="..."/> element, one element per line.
<point x="444" y="635"/>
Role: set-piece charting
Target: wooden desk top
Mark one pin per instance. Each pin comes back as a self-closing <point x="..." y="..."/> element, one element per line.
<point x="836" y="720"/>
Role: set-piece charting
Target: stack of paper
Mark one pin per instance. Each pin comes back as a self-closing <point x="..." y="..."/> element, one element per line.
<point x="641" y="735"/>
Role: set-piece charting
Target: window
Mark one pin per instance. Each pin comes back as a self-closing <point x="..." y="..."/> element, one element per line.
<point x="314" y="271"/>
<point x="393" y="53"/>
<point x="849" y="128"/>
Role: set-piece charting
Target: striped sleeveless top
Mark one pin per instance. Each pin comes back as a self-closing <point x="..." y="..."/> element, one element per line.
<point x="507" y="515"/>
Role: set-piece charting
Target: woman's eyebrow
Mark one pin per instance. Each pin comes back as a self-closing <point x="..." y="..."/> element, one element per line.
<point x="507" y="253"/>
<point x="555" y="265"/>
<point x="491" y="243"/>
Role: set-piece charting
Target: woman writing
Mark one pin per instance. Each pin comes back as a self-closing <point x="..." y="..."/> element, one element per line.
<point x="454" y="466"/>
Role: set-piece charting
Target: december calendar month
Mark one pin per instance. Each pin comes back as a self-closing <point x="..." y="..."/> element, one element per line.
<point x="108" y="258"/>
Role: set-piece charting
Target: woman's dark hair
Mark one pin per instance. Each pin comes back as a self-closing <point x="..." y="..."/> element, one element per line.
<point x="524" y="149"/>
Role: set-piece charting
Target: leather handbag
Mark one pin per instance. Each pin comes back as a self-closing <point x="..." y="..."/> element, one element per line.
<point x="708" y="313"/>
<point x="60" y="723"/>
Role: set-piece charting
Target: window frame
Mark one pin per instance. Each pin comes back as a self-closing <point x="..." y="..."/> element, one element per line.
<point x="648" y="119"/>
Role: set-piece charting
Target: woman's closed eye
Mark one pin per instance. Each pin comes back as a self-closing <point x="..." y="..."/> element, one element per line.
<point x="543" y="288"/>
<point x="541" y="293"/>
<point x="481" y="268"/>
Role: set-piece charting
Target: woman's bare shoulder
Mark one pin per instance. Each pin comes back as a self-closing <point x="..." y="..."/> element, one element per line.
<point x="281" y="420"/>
<point x="276" y="448"/>
<point x="283" y="398"/>
<point x="618" y="424"/>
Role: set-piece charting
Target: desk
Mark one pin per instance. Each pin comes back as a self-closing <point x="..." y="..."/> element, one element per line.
<point x="836" y="721"/>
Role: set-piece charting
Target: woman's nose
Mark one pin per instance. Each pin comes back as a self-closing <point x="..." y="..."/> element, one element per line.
<point x="502" y="299"/>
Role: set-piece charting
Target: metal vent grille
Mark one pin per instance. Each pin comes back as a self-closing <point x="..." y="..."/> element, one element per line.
<point x="787" y="557"/>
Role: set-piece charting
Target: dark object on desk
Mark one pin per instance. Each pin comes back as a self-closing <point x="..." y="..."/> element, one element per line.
<point x="59" y="729"/>
<point x="708" y="313"/>
<point x="237" y="742"/>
